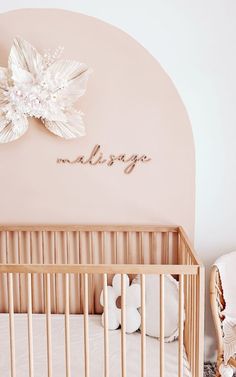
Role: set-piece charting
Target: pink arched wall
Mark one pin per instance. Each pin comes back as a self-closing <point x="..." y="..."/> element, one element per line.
<point x="131" y="106"/>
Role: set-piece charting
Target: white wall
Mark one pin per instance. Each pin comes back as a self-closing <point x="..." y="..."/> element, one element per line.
<point x="195" y="42"/>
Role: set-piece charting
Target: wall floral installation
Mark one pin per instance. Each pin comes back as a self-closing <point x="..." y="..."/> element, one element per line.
<point x="45" y="87"/>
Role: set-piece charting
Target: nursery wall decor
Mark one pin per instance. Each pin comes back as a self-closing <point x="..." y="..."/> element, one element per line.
<point x="97" y="157"/>
<point x="131" y="107"/>
<point x="41" y="86"/>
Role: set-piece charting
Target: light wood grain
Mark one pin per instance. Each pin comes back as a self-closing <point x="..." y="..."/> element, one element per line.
<point x="30" y="326"/>
<point x="143" y="327"/>
<point x="200" y="287"/>
<point x="49" y="324"/>
<point x="181" y="326"/>
<point x="11" y="325"/>
<point x="99" y="269"/>
<point x="123" y="326"/>
<point x="67" y="325"/>
<point x="106" y="336"/>
<point x="86" y="328"/>
<point x="162" y="326"/>
<point x="65" y="258"/>
<point x="187" y="242"/>
<point x="89" y="228"/>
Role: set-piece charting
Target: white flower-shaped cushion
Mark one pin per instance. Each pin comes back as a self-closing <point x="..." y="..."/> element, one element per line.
<point x="133" y="302"/>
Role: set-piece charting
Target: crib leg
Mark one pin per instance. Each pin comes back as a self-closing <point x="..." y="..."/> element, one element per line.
<point x="226" y="370"/>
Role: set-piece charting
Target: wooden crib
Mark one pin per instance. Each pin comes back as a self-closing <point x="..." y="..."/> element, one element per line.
<point x="62" y="269"/>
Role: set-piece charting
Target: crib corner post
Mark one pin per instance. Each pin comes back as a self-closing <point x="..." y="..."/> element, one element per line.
<point x="200" y="320"/>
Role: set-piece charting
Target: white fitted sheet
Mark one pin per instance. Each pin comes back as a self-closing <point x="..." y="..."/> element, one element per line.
<point x="77" y="355"/>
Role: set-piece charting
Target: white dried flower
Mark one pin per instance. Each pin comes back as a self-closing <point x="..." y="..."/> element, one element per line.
<point x="44" y="87"/>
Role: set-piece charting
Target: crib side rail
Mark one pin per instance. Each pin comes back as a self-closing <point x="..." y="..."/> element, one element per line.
<point x="85" y="271"/>
<point x="194" y="296"/>
<point x="187" y="275"/>
<point x="89" y="228"/>
<point x="64" y="253"/>
<point x="186" y="252"/>
<point x="82" y="244"/>
<point x="100" y="269"/>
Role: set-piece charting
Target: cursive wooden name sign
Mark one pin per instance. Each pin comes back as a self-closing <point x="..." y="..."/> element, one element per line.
<point x="96" y="157"/>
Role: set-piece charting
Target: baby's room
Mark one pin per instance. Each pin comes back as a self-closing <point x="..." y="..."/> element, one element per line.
<point x="117" y="185"/>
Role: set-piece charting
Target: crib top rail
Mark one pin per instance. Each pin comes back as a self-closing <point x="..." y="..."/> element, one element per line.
<point x="100" y="269"/>
<point x="89" y="228"/>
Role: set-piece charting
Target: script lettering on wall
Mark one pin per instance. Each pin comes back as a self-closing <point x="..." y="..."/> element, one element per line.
<point x="96" y="157"/>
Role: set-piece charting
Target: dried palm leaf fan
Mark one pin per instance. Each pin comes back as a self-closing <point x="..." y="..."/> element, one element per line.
<point x="40" y="86"/>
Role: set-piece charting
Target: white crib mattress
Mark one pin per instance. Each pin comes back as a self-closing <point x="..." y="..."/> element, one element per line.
<point x="133" y="345"/>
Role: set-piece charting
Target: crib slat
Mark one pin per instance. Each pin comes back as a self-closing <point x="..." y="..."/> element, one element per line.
<point x="181" y="325"/>
<point x="67" y="324"/>
<point x="191" y="322"/>
<point x="195" y="294"/>
<point x="193" y="325"/>
<point x="153" y="247"/>
<point x="162" y="332"/>
<point x="123" y="326"/>
<point x="30" y="326"/>
<point x="165" y="248"/>
<point x="195" y="320"/>
<point x="102" y="248"/>
<point x="91" y="278"/>
<point x="115" y="247"/>
<point x="86" y="330"/>
<point x="140" y="246"/>
<point x="127" y="241"/>
<point x="11" y="324"/>
<point x="106" y="338"/>
<point x="143" y="328"/>
<point x="49" y="326"/>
